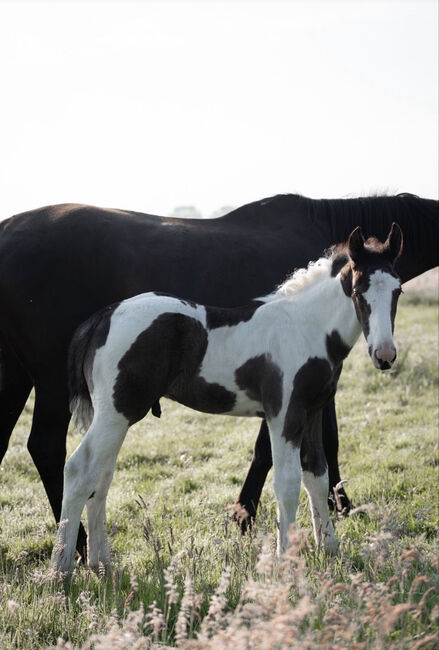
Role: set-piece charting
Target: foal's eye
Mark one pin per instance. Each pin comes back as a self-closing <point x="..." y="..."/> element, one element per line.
<point x="355" y="292"/>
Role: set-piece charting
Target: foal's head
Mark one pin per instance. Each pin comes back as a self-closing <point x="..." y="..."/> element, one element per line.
<point x="370" y="280"/>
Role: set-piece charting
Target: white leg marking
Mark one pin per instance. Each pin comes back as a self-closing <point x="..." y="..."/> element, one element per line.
<point x="317" y="488"/>
<point x="98" y="550"/>
<point x="286" y="482"/>
<point x="92" y="462"/>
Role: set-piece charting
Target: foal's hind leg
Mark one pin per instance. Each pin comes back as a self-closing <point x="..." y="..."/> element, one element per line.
<point x="98" y="551"/>
<point x="88" y="470"/>
<point x="315" y="479"/>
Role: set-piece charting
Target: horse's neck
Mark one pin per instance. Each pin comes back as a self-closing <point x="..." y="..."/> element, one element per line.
<point x="417" y="217"/>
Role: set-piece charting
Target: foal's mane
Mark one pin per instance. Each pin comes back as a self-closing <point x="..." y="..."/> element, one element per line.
<point x="302" y="279"/>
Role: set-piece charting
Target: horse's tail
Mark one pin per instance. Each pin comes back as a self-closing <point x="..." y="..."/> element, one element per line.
<point x="80" y="366"/>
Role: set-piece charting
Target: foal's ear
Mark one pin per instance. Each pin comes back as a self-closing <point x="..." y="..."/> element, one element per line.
<point x="394" y="242"/>
<point x="356" y="245"/>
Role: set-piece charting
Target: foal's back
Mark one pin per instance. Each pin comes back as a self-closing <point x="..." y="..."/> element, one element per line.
<point x="134" y="352"/>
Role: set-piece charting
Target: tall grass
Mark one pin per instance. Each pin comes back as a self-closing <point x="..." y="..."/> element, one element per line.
<point x="183" y="575"/>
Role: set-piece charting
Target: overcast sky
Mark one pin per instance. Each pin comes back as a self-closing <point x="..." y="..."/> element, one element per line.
<point x="151" y="105"/>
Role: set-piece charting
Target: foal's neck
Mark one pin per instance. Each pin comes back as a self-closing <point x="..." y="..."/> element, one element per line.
<point x="340" y="310"/>
<point x="327" y="303"/>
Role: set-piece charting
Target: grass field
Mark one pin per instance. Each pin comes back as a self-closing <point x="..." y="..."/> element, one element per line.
<point x="183" y="575"/>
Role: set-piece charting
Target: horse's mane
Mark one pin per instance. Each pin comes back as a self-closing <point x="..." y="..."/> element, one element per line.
<point x="379" y="199"/>
<point x="345" y="212"/>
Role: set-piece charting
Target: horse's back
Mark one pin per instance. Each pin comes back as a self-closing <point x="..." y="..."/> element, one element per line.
<point x="59" y="264"/>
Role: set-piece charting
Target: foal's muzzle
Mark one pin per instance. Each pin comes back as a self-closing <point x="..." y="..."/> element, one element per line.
<point x="383" y="356"/>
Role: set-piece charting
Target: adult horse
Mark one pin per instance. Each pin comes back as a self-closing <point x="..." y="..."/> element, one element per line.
<point x="59" y="264"/>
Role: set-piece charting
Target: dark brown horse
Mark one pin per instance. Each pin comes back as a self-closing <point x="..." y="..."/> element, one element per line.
<point x="60" y="264"/>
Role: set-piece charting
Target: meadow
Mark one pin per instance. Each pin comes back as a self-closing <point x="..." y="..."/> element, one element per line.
<point x="182" y="573"/>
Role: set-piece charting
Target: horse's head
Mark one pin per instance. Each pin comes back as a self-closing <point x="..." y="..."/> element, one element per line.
<point x="371" y="281"/>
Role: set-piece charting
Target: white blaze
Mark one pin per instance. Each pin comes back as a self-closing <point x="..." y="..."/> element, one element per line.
<point x="379" y="298"/>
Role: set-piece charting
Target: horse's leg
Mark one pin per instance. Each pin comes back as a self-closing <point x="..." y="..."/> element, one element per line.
<point x="330" y="443"/>
<point x="87" y="476"/>
<point x="47" y="443"/>
<point x="286" y="480"/>
<point x="315" y="479"/>
<point x="248" y="500"/>
<point x="15" y="386"/>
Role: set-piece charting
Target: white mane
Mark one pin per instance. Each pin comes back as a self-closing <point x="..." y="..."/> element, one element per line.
<point x="303" y="278"/>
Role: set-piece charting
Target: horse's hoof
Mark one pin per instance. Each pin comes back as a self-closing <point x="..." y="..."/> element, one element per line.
<point x="242" y="517"/>
<point x="341" y="505"/>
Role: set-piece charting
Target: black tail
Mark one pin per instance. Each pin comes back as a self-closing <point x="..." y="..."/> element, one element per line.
<point x="89" y="336"/>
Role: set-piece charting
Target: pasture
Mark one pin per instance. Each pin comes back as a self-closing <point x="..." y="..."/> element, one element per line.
<point x="180" y="566"/>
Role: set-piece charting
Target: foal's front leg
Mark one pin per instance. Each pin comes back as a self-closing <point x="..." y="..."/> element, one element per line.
<point x="316" y="482"/>
<point x="286" y="479"/>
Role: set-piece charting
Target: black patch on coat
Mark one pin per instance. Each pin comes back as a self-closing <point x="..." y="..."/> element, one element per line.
<point x="363" y="311"/>
<point x="314" y="385"/>
<point x="346" y="280"/>
<point x="196" y="393"/>
<point x="261" y="379"/>
<point x="92" y="495"/>
<point x="312" y="453"/>
<point x="225" y="316"/>
<point x="336" y="348"/>
<point x="165" y="360"/>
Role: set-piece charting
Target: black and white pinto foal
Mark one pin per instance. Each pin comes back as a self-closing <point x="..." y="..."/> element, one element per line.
<point x="279" y="358"/>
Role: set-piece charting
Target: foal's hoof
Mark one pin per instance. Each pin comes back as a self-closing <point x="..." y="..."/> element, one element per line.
<point x="331" y="546"/>
<point x="242" y="517"/>
<point x="101" y="569"/>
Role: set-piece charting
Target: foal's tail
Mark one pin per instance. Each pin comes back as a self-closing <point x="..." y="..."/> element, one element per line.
<point x="80" y="365"/>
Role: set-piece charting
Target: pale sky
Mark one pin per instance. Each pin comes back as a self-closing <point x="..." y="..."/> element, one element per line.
<point x="151" y="105"/>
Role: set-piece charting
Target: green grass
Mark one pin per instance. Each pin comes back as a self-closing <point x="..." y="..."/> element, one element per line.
<point x="169" y="505"/>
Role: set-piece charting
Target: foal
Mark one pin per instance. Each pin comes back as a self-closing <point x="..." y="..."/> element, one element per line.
<point x="279" y="357"/>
